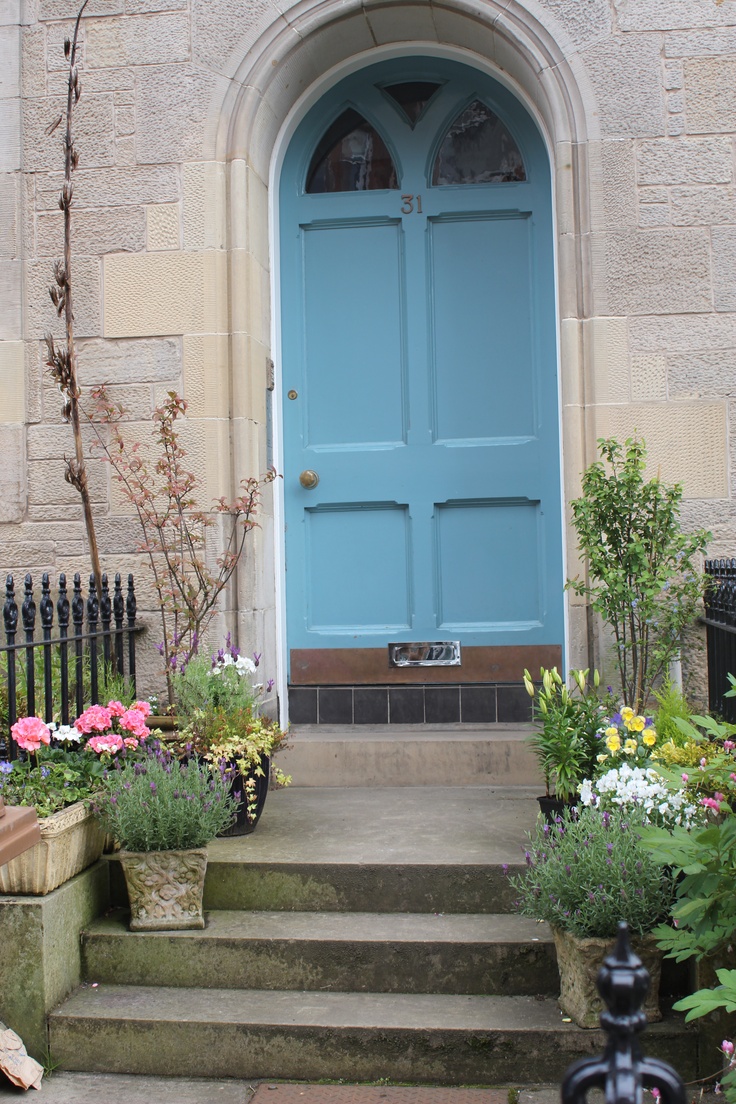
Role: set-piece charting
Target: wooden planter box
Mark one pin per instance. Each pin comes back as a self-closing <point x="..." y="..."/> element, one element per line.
<point x="71" y="840"/>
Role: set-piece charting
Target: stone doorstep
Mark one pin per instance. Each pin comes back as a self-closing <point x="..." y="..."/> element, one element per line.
<point x="309" y="1035"/>
<point x="327" y="951"/>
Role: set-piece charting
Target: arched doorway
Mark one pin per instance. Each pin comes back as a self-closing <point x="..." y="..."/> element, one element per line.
<point x="420" y="387"/>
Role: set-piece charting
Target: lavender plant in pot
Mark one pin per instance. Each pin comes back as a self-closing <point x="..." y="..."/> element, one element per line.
<point x="585" y="874"/>
<point x="163" y="812"/>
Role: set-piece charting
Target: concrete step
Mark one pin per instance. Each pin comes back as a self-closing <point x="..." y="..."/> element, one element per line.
<point x="418" y="849"/>
<point x="326" y="951"/>
<point x="309" y="1036"/>
<point x="410" y="755"/>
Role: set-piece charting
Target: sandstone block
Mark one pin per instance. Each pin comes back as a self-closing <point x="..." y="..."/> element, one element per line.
<point x="46" y="442"/>
<point x="66" y="9"/>
<point x="625" y="74"/>
<point x="10" y="300"/>
<point x="48" y="488"/>
<point x="710" y="95"/>
<point x="654" y="271"/>
<point x="12" y="382"/>
<point x="206" y="375"/>
<point x="687" y="161"/>
<point x="33" y="359"/>
<point x="9" y="215"/>
<point x="40" y="314"/>
<point x="675" y="125"/>
<point x="9" y="63"/>
<point x="119" y="82"/>
<point x="94" y="133"/>
<point x="250" y="378"/>
<point x="613" y="185"/>
<point x="673" y="77"/>
<point x="700" y="42"/>
<point x="33" y="66"/>
<point x="607" y="347"/>
<point x="162" y="226"/>
<point x="10" y="136"/>
<point x="153" y="39"/>
<point x="724" y="267"/>
<point x="685" y="441"/>
<point x="705" y="206"/>
<point x="157" y="294"/>
<point x="140" y="7"/>
<point x="172" y="103"/>
<point x="665" y="15"/>
<point x="10" y="13"/>
<point x="676" y="102"/>
<point x="584" y="23"/>
<point x="686" y="334"/>
<point x="224" y="28"/>
<point x="697" y="375"/>
<point x="147" y="360"/>
<point x="12" y="475"/>
<point x="98" y="231"/>
<point x="654" y="214"/>
<point x="653" y="195"/>
<point x="649" y="378"/>
<point x="125" y="150"/>
<point x="113" y="187"/>
<point x="204" y="213"/>
<point x="124" y="120"/>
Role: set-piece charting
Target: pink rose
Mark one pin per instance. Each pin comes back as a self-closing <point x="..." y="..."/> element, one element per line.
<point x="30" y="732"/>
<point x="115" y="708"/>
<point x="134" y="721"/>
<point x="110" y="742"/>
<point x="94" y="719"/>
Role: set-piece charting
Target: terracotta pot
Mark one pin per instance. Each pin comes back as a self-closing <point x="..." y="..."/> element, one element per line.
<point x="579" y="960"/>
<point x="71" y="840"/>
<point x="165" y="888"/>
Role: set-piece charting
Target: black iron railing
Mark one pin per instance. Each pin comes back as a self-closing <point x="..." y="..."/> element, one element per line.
<point x="68" y="666"/>
<point x="720" y="621"/>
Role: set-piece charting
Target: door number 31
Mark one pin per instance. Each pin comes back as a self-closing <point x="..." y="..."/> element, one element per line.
<point x="411" y="203"/>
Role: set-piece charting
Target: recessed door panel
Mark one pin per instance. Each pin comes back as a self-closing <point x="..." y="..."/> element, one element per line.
<point x="357" y="577"/>
<point x="353" y="367"/>
<point x="482" y="369"/>
<point x="497" y="544"/>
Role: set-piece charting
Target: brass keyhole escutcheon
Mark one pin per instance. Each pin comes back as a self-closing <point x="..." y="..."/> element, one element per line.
<point x="292" y="394"/>
<point x="309" y="479"/>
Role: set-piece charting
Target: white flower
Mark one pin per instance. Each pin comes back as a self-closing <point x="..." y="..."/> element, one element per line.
<point x="586" y="793"/>
<point x="67" y="734"/>
<point x="245" y="665"/>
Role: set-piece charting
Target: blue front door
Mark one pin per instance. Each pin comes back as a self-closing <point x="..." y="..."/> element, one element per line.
<point x="419" y="366"/>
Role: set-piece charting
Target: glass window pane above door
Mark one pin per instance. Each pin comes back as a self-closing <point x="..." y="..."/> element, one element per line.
<point x="478" y="149"/>
<point x="351" y="156"/>
<point x="412" y="97"/>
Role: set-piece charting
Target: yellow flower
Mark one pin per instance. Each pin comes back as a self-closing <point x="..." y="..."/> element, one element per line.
<point x="650" y="737"/>
<point x="638" y="724"/>
<point x="627" y="712"/>
<point x="611" y="731"/>
<point x="601" y="758"/>
<point x="613" y="743"/>
<point x="630" y="747"/>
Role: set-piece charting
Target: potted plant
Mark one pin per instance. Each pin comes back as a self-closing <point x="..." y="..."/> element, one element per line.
<point x="567" y="740"/>
<point x="163" y="812"/>
<point x="584" y="875"/>
<point x="219" y="720"/>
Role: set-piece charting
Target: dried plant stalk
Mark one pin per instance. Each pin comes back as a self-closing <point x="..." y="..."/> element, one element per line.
<point x="62" y="359"/>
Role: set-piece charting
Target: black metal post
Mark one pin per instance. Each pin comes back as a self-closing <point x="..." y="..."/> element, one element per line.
<point x="28" y="614"/>
<point x="130" y="609"/>
<point x="106" y="618"/>
<point x="10" y="618"/>
<point x="118" y="609"/>
<point x="62" y="611"/>
<point x="46" y="609"/>
<point x="78" y="622"/>
<point x="622" y="1071"/>
<point x="93" y="609"/>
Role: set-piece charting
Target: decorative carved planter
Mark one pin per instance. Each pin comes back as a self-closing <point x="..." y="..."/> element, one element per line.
<point x="71" y="840"/>
<point x="579" y="961"/>
<point x="165" y="888"/>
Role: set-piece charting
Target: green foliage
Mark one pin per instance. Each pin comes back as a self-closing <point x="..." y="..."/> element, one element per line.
<point x="203" y="686"/>
<point x="233" y="736"/>
<point x="710" y="1000"/>
<point x="162" y="804"/>
<point x="52" y="783"/>
<point x="641" y="568"/>
<point x="672" y="705"/>
<point x="586" y="874"/>
<point x="566" y="743"/>
<point x="704" y="862"/>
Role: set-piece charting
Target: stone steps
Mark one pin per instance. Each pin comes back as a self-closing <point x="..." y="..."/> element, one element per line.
<point x="327" y="951"/>
<point x="307" y="1035"/>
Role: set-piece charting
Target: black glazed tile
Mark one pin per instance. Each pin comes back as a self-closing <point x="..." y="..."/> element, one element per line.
<point x="478" y="704"/>
<point x="442" y="704"/>
<point x="335" y="705"/>
<point x="514" y="704"/>
<point x="303" y="704"/>
<point x="370" y="705"/>
<point x="406" y="704"/>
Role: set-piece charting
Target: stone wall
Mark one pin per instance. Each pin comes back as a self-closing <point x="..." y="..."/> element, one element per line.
<point x="182" y="101"/>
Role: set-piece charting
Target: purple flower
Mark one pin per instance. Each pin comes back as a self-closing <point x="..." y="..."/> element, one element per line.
<point x="257" y="658"/>
<point x="269" y="686"/>
<point x="153" y="787"/>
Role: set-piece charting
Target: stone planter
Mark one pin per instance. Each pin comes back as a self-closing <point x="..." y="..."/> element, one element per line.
<point x="165" y="888"/>
<point x="579" y="961"/>
<point x="71" y="840"/>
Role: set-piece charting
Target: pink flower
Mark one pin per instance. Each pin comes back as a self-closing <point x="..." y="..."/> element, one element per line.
<point x="656" y="1093"/>
<point x="727" y="1047"/>
<point x="143" y="707"/>
<point x="133" y="720"/>
<point x="110" y="742"/>
<point x="130" y="742"/>
<point x="732" y="777"/>
<point x="711" y="803"/>
<point x="685" y="777"/>
<point x="728" y="745"/>
<point x="30" y="732"/>
<point x="115" y="708"/>
<point x="94" y="719"/>
<point x="703" y="763"/>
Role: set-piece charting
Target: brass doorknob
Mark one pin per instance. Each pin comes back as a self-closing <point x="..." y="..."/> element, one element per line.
<point x="309" y="479"/>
